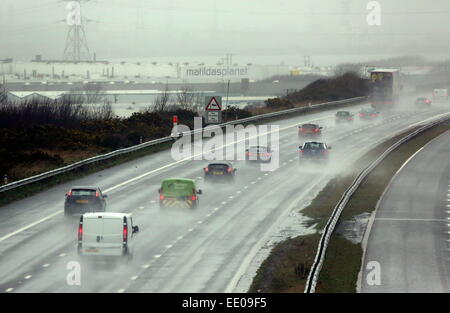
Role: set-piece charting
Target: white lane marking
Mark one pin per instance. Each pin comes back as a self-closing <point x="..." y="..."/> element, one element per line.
<point x="157" y="256"/>
<point x="141" y="207"/>
<point x="146" y="266"/>
<point x="120" y="290"/>
<point x="230" y="197"/>
<point x="28" y="277"/>
<point x="169" y="246"/>
<point x="208" y="215"/>
<point x="29" y="226"/>
<point x="409" y="219"/>
<point x="253" y="182"/>
<point x="246" y="187"/>
<point x="180" y="237"/>
<point x="134" y="277"/>
<point x="46" y="265"/>
<point x="199" y="222"/>
<point x="190" y="229"/>
<point x="62" y="255"/>
<point x="238" y="192"/>
<point x="154" y="171"/>
<point x="9" y="290"/>
<point x="215" y="209"/>
<point x="224" y="202"/>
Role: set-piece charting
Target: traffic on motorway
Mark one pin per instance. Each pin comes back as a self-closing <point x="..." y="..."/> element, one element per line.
<point x="222" y="152"/>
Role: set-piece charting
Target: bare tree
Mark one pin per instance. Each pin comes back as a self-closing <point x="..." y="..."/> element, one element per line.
<point x="3" y="94"/>
<point x="94" y="93"/>
<point x="185" y="98"/>
<point x="162" y="100"/>
<point x="341" y="69"/>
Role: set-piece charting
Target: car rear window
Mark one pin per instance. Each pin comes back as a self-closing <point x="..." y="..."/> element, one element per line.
<point x="178" y="188"/>
<point x="314" y="146"/>
<point x="343" y="113"/>
<point x="309" y="126"/>
<point x="218" y="167"/>
<point x="84" y="192"/>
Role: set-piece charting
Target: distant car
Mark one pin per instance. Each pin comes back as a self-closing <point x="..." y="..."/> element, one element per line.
<point x="178" y="193"/>
<point x="258" y="154"/>
<point x="368" y="114"/>
<point x="219" y="171"/>
<point x="422" y="102"/>
<point x="309" y="130"/>
<point x="314" y="151"/>
<point x="84" y="199"/>
<point x="344" y="116"/>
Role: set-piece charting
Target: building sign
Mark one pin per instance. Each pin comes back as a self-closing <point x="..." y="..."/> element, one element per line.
<point x="216" y="71"/>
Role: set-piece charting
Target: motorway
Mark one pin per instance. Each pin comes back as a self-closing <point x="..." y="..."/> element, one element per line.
<point x="204" y="250"/>
<point x="409" y="237"/>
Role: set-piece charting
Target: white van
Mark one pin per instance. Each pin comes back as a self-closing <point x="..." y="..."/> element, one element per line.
<point x="105" y="234"/>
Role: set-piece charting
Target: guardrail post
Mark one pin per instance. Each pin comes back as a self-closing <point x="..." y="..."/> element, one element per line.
<point x="140" y="140"/>
<point x="5" y="179"/>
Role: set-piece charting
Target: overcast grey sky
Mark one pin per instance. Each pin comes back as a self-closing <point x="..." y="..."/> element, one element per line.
<point x="122" y="29"/>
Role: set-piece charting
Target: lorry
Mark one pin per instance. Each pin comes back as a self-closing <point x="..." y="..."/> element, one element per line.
<point x="385" y="88"/>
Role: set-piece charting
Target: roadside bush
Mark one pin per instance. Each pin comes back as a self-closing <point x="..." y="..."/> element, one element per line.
<point x="348" y="85"/>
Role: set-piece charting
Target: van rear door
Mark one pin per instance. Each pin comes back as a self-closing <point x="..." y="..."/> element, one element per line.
<point x="92" y="235"/>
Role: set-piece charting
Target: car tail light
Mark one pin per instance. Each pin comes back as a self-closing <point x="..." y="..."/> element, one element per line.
<point x="249" y="154"/>
<point x="317" y="130"/>
<point x="266" y="154"/>
<point x="97" y="194"/>
<point x="301" y="151"/>
<point x="80" y="232"/>
<point x="161" y="197"/>
<point x="125" y="232"/>
<point x="193" y="198"/>
<point x="69" y="194"/>
<point x="300" y="129"/>
<point x="374" y="115"/>
<point x="206" y="169"/>
<point x="229" y="170"/>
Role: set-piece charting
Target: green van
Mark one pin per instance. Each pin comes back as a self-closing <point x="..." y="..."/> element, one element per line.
<point x="178" y="192"/>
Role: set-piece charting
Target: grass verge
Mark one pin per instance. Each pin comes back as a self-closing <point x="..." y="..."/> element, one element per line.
<point x="279" y="272"/>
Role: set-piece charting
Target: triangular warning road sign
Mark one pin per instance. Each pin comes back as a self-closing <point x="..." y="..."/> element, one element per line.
<point x="213" y="105"/>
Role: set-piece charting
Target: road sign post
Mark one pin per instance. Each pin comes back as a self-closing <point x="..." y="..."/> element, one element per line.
<point x="213" y="110"/>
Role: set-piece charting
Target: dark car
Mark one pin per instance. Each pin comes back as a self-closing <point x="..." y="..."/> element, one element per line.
<point x="368" y="114"/>
<point x="258" y="154"/>
<point x="309" y="130"/>
<point x="219" y="171"/>
<point x="314" y="151"/>
<point x="423" y="102"/>
<point x="84" y="199"/>
<point x="344" y="116"/>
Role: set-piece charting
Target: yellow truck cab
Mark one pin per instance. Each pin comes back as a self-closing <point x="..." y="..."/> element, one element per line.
<point x="178" y="193"/>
